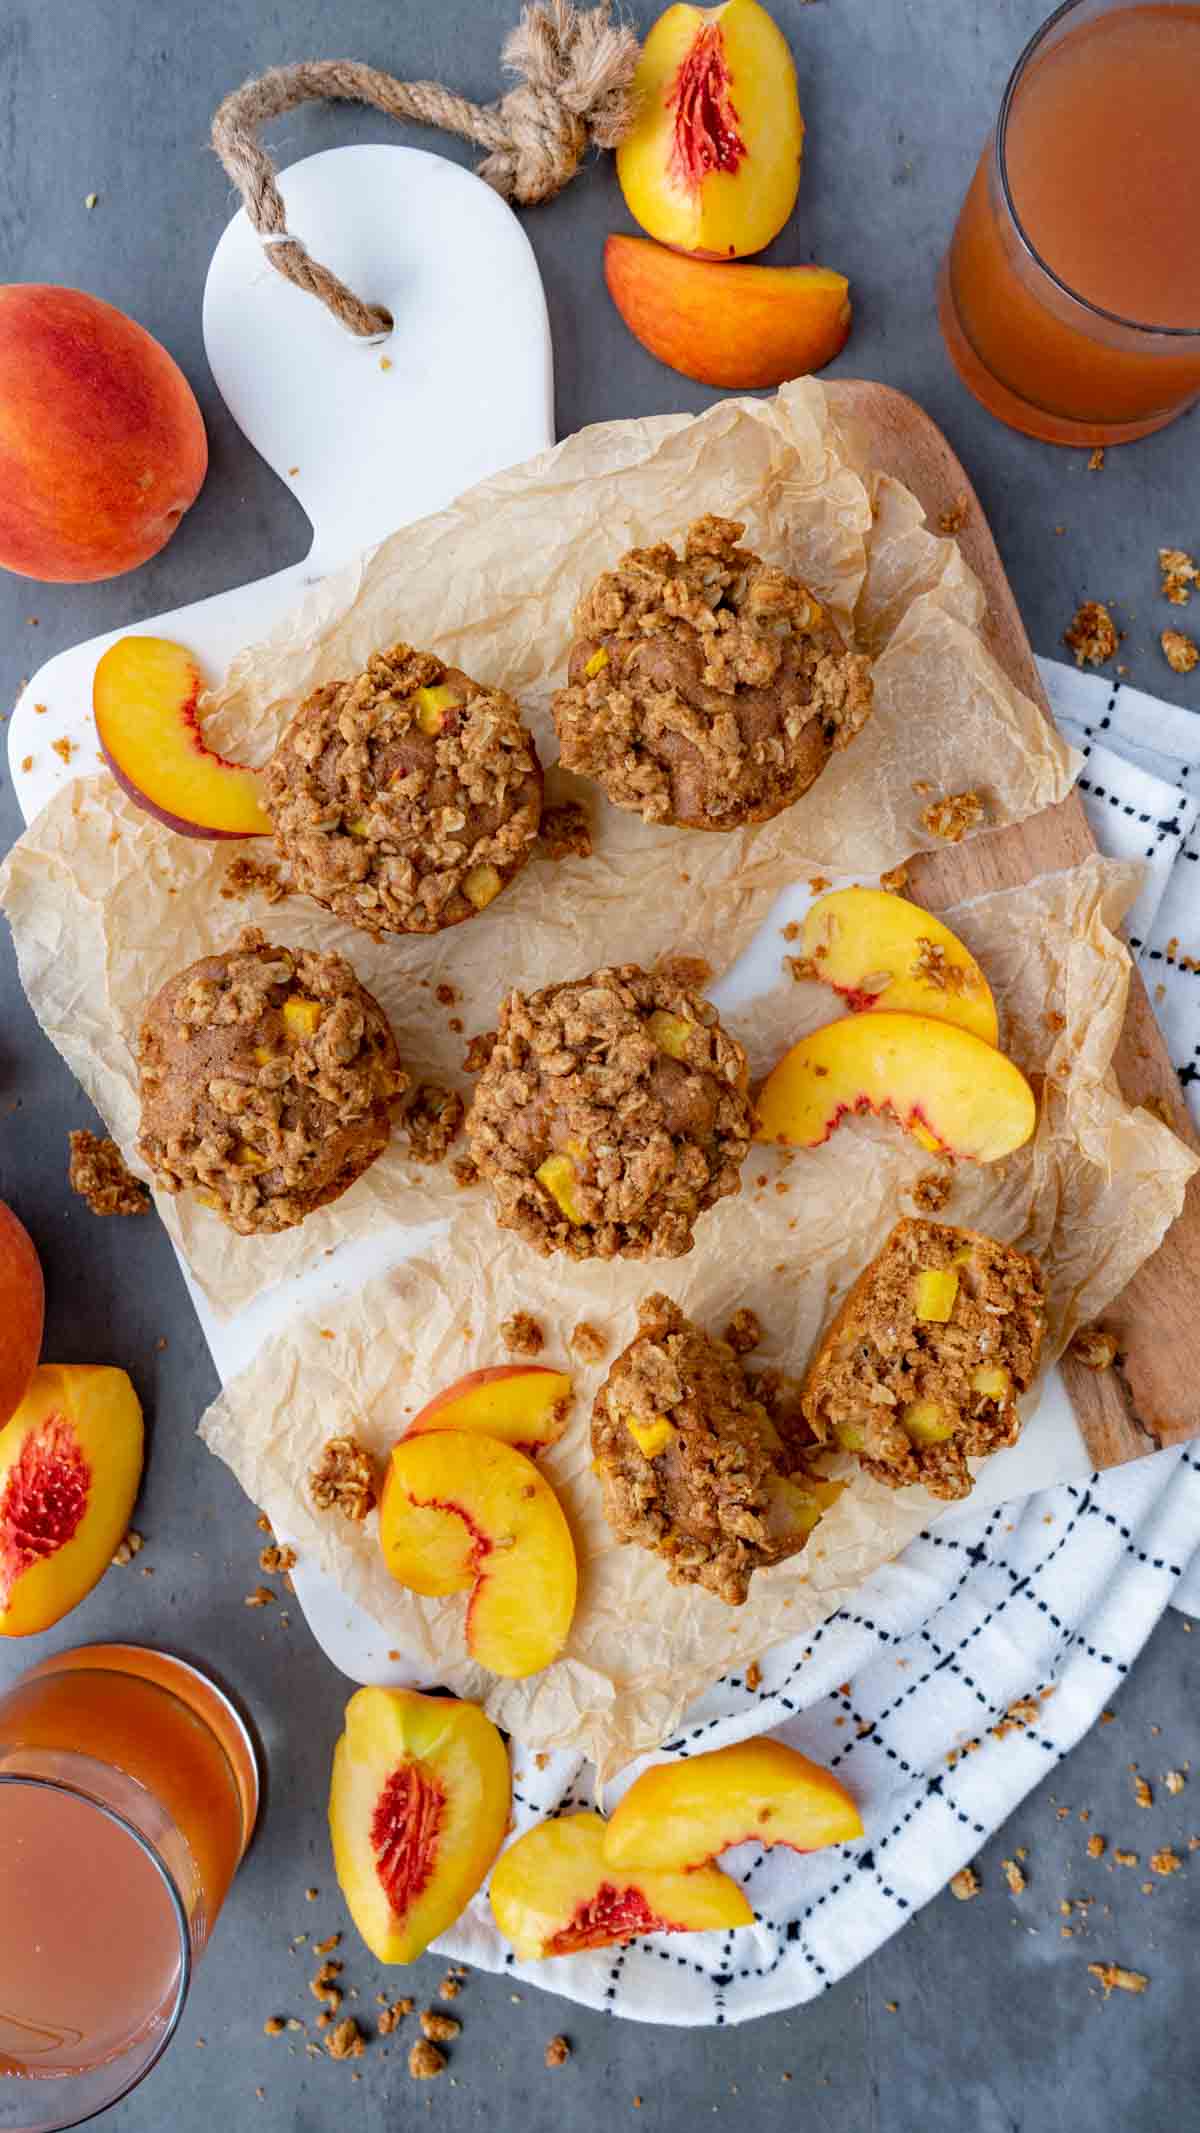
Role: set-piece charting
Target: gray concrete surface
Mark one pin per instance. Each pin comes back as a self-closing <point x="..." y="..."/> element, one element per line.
<point x="980" y="2015"/>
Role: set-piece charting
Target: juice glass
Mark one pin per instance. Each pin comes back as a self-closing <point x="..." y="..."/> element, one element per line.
<point x="128" y="1795"/>
<point x="1070" y="296"/>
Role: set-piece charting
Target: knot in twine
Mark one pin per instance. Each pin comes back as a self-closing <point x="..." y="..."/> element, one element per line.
<point x="575" y="90"/>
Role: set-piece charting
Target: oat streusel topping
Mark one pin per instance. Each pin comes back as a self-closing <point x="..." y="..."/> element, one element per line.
<point x="344" y="1479"/>
<point x="952" y="816"/>
<point x="923" y="1363"/>
<point x="694" y="1464"/>
<point x="708" y="690"/>
<point x="266" y="1079"/>
<point x="432" y="1121"/>
<point x="1092" y="635"/>
<point x="612" y="1111"/>
<point x="96" y="1171"/>
<point x="407" y="798"/>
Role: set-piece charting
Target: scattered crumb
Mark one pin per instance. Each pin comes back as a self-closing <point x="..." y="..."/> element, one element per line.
<point x="261" y="1596"/>
<point x="425" y="2061"/>
<point x="450" y="1987"/>
<point x="1165" y="1861"/>
<point x="522" y="1335"/>
<point x="1096" y="462"/>
<point x="96" y="1171"/>
<point x="1054" y="1022"/>
<point x="801" y="969"/>
<point x="953" y="520"/>
<point x="1114" y="1977"/>
<point x="326" y="1947"/>
<point x="895" y="880"/>
<point x="323" y="1984"/>
<point x="464" y="1172"/>
<point x="127" y="1549"/>
<point x="91" y="200"/>
<point x="754" y="1677"/>
<point x="953" y="815"/>
<point x="930" y="1192"/>
<point x="565" y="832"/>
<point x="263" y="1525"/>
<point x="965" y="1884"/>
<point x="479" y="1051"/>
<point x="558" y="2051"/>
<point x="1174" y="1781"/>
<point x="432" y="1121"/>
<point x="1179" y="575"/>
<point x="1125" y="1858"/>
<point x="1180" y="651"/>
<point x="274" y="2026"/>
<point x="445" y="995"/>
<point x="1096" y="1847"/>
<point x="1013" y="1875"/>
<point x="344" y="1479"/>
<point x="346" y="2040"/>
<point x="1107" y="1718"/>
<point x="385" y="362"/>
<point x="588" y="1342"/>
<point x="276" y="1561"/>
<point x="743" y="1333"/>
<point x="1092" y="635"/>
<point x="391" y="2017"/>
<point x="439" y="2028"/>
<point x="1142" y="1792"/>
<point x="254" y="877"/>
<point x="1095" y="1347"/>
<point x="65" y="749"/>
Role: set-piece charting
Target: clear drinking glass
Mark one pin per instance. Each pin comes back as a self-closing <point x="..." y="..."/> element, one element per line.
<point x="128" y="1795"/>
<point x="1069" y="299"/>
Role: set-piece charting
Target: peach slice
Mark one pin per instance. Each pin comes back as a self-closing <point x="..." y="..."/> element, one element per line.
<point x="728" y="325"/>
<point x="525" y="1404"/>
<point x="22" y="1311"/>
<point x="70" y="1464"/>
<point x="144" y="695"/>
<point x="711" y="163"/>
<point x="956" y="1094"/>
<point x="880" y="951"/>
<point x="461" y="1512"/>
<point x="677" y="1816"/>
<point x="418" y="1807"/>
<point x="554" y="1893"/>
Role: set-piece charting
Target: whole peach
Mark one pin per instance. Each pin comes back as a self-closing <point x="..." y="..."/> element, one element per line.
<point x="102" y="444"/>
<point x="22" y="1306"/>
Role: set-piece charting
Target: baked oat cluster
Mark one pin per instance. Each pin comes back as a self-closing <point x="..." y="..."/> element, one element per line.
<point x="266" y="1080"/>
<point x="610" y="1113"/>
<point x="707" y="691"/>
<point x="694" y="1465"/>
<point x="407" y="799"/>
<point x="923" y="1364"/>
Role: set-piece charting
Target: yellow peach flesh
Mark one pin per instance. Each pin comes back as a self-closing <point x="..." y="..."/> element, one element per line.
<point x="935" y="1291"/>
<point x="481" y="885"/>
<point x="301" y="1017"/>
<point x="992" y="1380"/>
<point x="671" y="1033"/>
<point x="596" y="664"/>
<point x="882" y="952"/>
<point x="741" y="327"/>
<point x="432" y="704"/>
<point x="679" y="1815"/>
<point x="70" y="1464"/>
<point x="559" y="1177"/>
<point x="553" y="1893"/>
<point x="145" y="695"/>
<point x="925" y="1422"/>
<point x="651" y="1437"/>
<point x="520" y="1403"/>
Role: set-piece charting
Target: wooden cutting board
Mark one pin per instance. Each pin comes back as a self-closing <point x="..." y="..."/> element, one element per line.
<point x="1152" y="1395"/>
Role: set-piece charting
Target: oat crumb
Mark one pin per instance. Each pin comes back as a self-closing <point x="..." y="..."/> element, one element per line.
<point x="565" y="832"/>
<point x="432" y="1121"/>
<point x="954" y="519"/>
<point x="391" y="2017"/>
<point x="558" y="2051"/>
<point x="96" y="1171"/>
<point x="1095" y="1347"/>
<point x="1142" y="1792"/>
<point x="1092" y="635"/>
<point x="425" y="2061"/>
<point x="277" y="1561"/>
<point x="1096" y="462"/>
<point x="450" y="1987"/>
<point x="128" y="1548"/>
<point x="1174" y="1781"/>
<point x="1165" y="1861"/>
<point x="953" y="815"/>
<point x="588" y="1343"/>
<point x="1124" y="1858"/>
<point x="63" y="748"/>
<point x="1180" y="651"/>
<point x="1096" y="1847"/>
<point x="326" y="1947"/>
<point x="1179" y="575"/>
<point x="254" y="877"/>
<point x="439" y="2028"/>
<point x="1013" y="1875"/>
<point x="754" y="1677"/>
<point x="274" y="2026"/>
<point x="346" y="2040"/>
<point x="344" y="1479"/>
<point x="1114" y="1977"/>
<point x="965" y="1884"/>
<point x="930" y="1192"/>
<point x="522" y="1335"/>
<point x="261" y="1596"/>
<point x="743" y="1333"/>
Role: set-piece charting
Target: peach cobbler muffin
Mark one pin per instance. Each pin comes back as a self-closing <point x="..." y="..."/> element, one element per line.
<point x="707" y="690"/>
<point x="267" y="1076"/>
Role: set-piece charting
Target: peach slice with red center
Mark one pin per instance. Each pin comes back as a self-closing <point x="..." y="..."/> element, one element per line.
<point x="883" y="952"/>
<point x="22" y="1311"/>
<point x="677" y="1816"/>
<point x="525" y="1404"/>
<point x="70" y="1464"/>
<point x="465" y="1513"/>
<point x="957" y="1095"/>
<point x="418" y="1807"/>
<point x="145" y="694"/>
<point x="555" y="1893"/>
<point x="736" y="326"/>
<point x="711" y="162"/>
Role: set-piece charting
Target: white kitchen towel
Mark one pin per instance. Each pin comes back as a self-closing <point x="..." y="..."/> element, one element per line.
<point x="1045" y="1604"/>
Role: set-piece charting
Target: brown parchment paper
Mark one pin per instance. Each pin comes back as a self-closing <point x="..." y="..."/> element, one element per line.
<point x="106" y="904"/>
<point x="1092" y="1195"/>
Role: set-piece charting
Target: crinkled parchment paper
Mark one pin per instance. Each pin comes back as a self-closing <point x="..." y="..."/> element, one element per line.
<point x="1092" y="1195"/>
<point x="106" y="904"/>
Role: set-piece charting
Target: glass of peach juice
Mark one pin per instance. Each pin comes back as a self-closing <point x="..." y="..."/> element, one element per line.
<point x="1070" y="297"/>
<point x="128" y="1795"/>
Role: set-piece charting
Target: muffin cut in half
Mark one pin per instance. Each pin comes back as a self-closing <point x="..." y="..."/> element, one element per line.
<point x="613" y="1110"/>
<point x="700" y="1463"/>
<point x="708" y="691"/>
<point x="407" y="799"/>
<point x="266" y="1080"/>
<point x="922" y="1367"/>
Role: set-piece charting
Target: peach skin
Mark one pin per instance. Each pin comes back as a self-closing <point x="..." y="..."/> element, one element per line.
<point x="418" y="1806"/>
<point x="102" y="444"/>
<point x="955" y="1094"/>
<point x="22" y="1311"/>
<point x="525" y="1404"/>
<point x="70" y="1464"/>
<point x="881" y="951"/>
<point x="461" y="1512"/>
<point x="144" y="695"/>
<point x="711" y="163"/>
<point x="677" y="1816"/>
<point x="554" y="1893"/>
<point x="736" y="326"/>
